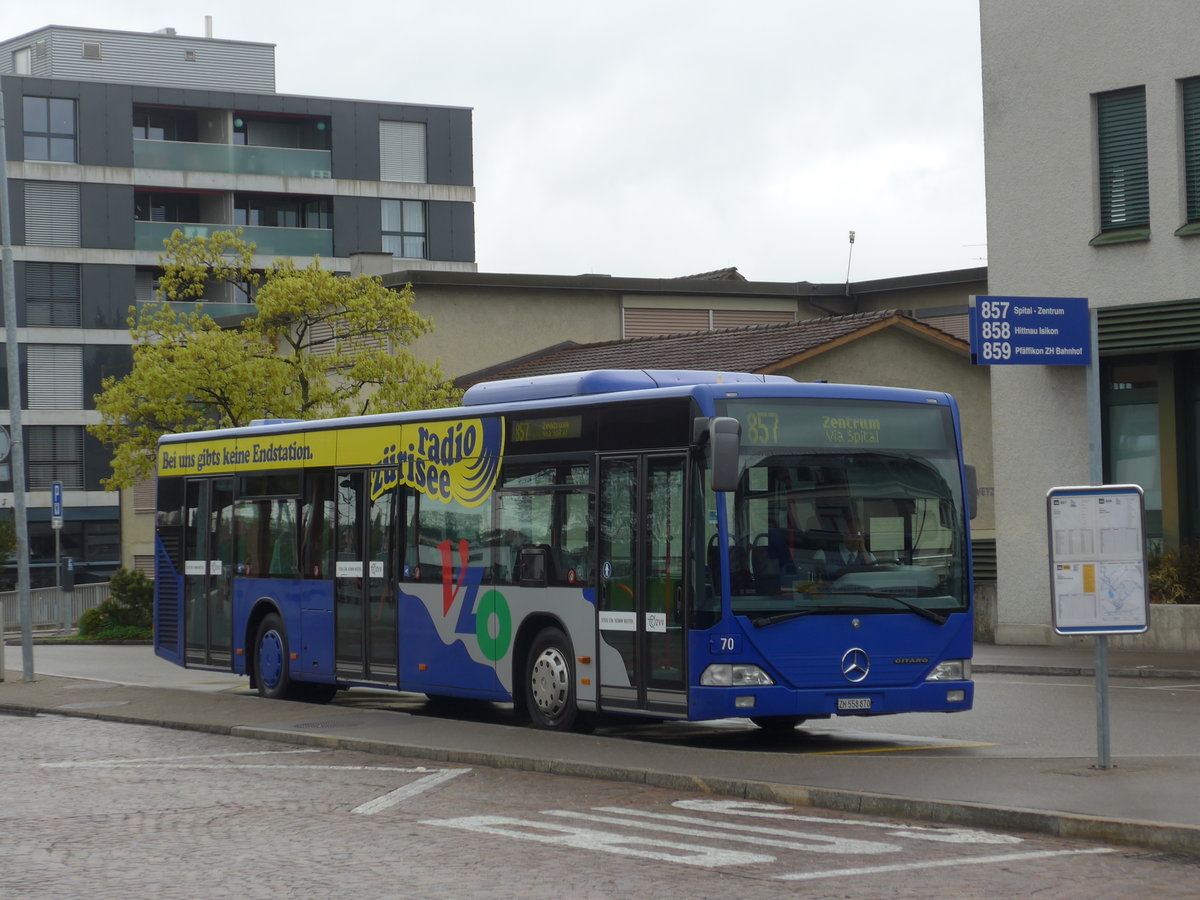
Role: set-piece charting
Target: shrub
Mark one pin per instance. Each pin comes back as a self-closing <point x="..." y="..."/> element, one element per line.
<point x="128" y="611"/>
<point x="1174" y="575"/>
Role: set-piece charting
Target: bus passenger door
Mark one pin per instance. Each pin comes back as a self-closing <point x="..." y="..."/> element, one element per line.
<point x="641" y="589"/>
<point x="209" y="567"/>
<point x="364" y="583"/>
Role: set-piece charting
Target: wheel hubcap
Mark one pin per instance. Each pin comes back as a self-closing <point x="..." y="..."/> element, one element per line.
<point x="270" y="659"/>
<point x="551" y="682"/>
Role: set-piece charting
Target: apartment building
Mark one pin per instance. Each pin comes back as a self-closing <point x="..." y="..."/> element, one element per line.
<point x="1092" y="152"/>
<point x="115" y="139"/>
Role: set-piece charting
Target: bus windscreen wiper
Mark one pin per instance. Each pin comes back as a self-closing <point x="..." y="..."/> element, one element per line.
<point x="932" y="615"/>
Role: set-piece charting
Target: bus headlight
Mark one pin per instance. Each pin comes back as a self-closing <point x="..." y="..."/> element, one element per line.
<point x="734" y="675"/>
<point x="951" y="670"/>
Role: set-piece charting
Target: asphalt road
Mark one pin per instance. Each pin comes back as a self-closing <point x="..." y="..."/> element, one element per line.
<point x="113" y="810"/>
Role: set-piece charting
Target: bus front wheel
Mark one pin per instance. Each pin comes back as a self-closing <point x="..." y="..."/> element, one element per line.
<point x="271" y="659"/>
<point x="550" y="682"/>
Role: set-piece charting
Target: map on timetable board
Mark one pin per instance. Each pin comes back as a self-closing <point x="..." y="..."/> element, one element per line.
<point x="1097" y="559"/>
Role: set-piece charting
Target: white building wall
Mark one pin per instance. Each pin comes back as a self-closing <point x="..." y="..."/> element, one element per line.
<point x="1042" y="64"/>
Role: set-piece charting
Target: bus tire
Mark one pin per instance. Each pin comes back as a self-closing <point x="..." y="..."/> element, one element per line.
<point x="550" y="682"/>
<point x="271" y="659"/>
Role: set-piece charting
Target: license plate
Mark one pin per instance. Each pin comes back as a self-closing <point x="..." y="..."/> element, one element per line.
<point x="854" y="703"/>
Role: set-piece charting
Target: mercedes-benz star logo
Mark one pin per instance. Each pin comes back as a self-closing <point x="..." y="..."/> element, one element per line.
<point x="855" y="664"/>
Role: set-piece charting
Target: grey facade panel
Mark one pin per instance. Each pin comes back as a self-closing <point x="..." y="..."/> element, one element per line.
<point x="105" y="115"/>
<point x="97" y="464"/>
<point x="16" y="211"/>
<point x="461" y="150"/>
<point x="438" y="147"/>
<point x="356" y="225"/>
<point x="106" y="293"/>
<point x="451" y="231"/>
<point x="107" y="215"/>
<point x="355" y="151"/>
<point x="102" y="361"/>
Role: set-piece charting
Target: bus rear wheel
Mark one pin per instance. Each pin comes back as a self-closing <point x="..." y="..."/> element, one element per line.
<point x="550" y="682"/>
<point x="271" y="660"/>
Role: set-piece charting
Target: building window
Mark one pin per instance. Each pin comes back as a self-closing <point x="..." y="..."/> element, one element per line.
<point x="160" y="206"/>
<point x="49" y="129"/>
<point x="152" y="123"/>
<point x="403" y="228"/>
<point x="52" y="214"/>
<point x="402" y="152"/>
<point x="276" y="211"/>
<point x="304" y="133"/>
<point x="22" y="61"/>
<point x="1124" y="176"/>
<point x="1131" y="432"/>
<point x="55" y="454"/>
<point x="52" y="295"/>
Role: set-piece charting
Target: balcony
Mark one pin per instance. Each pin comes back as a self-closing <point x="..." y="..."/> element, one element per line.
<point x="300" y="242"/>
<point x="231" y="159"/>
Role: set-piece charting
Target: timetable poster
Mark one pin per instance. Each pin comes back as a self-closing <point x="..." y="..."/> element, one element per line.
<point x="1097" y="559"/>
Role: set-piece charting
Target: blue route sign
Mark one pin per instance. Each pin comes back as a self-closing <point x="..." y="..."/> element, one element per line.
<point x="1030" y="331"/>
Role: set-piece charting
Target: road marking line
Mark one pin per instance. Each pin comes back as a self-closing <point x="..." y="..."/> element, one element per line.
<point x="942" y="863"/>
<point x="799" y="840"/>
<point x="408" y="791"/>
<point x="574" y="836"/>
<point x="946" y="834"/>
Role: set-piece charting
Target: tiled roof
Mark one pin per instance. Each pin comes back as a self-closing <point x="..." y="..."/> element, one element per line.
<point x="755" y="348"/>
<point x="729" y="274"/>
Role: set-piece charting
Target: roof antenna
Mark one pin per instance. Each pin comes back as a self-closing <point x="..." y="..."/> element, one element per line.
<point x="848" y="258"/>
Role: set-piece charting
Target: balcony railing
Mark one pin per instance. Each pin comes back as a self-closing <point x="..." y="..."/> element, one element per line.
<point x="302" y="242"/>
<point x="231" y="159"/>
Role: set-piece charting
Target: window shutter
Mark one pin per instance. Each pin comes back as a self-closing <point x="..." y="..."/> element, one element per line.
<point x="51" y="214"/>
<point x="55" y="454"/>
<point x="145" y="496"/>
<point x="1191" y="146"/>
<point x="402" y="152"/>
<point x="52" y="294"/>
<point x="649" y="322"/>
<point x="55" y="376"/>
<point x="1124" y="176"/>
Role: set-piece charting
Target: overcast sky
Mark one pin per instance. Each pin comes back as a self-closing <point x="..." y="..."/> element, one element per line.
<point x="659" y="138"/>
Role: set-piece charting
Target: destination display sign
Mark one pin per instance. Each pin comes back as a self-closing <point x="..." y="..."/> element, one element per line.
<point x="1030" y="331"/>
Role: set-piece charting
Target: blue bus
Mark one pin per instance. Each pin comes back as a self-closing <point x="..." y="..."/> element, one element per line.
<point x="672" y="544"/>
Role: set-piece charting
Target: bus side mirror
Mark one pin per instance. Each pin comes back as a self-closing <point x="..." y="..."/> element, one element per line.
<point x="724" y="438"/>
<point x="972" y="491"/>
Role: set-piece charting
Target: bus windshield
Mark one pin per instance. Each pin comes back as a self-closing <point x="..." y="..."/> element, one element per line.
<point x="845" y="507"/>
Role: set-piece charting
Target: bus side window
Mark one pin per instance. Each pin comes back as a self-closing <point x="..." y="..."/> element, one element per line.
<point x="316" y="549"/>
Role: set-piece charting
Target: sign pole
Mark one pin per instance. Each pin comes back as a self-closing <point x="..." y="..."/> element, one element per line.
<point x="1096" y="465"/>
